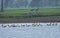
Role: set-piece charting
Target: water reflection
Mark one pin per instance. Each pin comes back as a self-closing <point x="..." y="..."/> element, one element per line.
<point x="30" y="30"/>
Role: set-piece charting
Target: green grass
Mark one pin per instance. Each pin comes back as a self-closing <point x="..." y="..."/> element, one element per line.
<point x="16" y="13"/>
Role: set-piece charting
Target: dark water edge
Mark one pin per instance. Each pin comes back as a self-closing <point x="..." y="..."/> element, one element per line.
<point x="30" y="20"/>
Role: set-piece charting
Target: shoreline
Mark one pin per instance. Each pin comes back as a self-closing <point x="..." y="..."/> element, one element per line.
<point x="30" y="20"/>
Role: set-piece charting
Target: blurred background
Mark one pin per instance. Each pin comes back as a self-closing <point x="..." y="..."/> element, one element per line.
<point x="30" y="3"/>
<point x="29" y="8"/>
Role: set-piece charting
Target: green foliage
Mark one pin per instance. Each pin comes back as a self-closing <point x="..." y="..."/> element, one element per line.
<point x="23" y="13"/>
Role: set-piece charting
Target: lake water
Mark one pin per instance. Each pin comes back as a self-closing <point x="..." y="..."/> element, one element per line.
<point x="43" y="31"/>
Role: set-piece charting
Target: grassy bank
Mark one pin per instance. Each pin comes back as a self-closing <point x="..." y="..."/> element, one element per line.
<point x="18" y="13"/>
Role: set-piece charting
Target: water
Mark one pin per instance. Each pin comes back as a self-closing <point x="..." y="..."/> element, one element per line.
<point x="31" y="32"/>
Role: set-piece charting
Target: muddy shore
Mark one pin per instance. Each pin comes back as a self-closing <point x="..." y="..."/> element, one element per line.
<point x="30" y="20"/>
